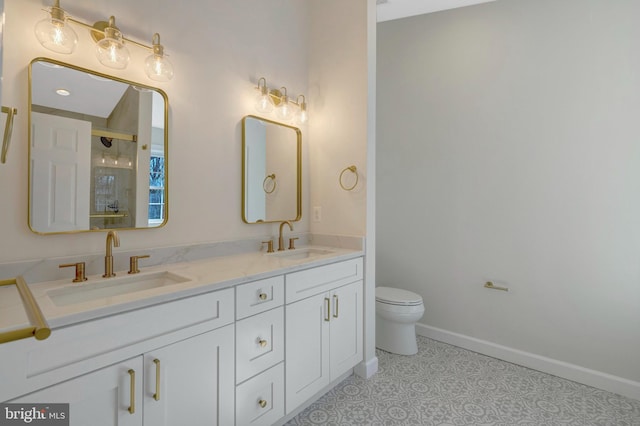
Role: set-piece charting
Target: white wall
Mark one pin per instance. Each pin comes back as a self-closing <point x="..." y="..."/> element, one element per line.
<point x="338" y="113"/>
<point x="219" y="49"/>
<point x="508" y="150"/>
<point x="342" y="114"/>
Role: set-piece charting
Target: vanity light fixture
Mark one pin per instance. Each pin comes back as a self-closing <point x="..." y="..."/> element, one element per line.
<point x="110" y="47"/>
<point x="55" y="34"/>
<point x="263" y="100"/>
<point x="285" y="108"/>
<point x="302" y="116"/>
<point x="156" y="65"/>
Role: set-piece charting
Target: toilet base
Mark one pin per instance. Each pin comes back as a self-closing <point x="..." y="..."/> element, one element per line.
<point x="395" y="337"/>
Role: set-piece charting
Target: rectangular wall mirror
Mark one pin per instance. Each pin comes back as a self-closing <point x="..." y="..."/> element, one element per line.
<point x="97" y="151"/>
<point x="271" y="171"/>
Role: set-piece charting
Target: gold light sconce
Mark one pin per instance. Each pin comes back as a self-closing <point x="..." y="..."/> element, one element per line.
<point x="285" y="108"/>
<point x="55" y="34"/>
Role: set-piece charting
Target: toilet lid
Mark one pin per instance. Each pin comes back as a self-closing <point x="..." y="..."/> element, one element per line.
<point x="396" y="296"/>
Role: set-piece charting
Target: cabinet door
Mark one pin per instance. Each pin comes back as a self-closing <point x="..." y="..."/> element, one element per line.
<point x="307" y="349"/>
<point x="196" y="381"/>
<point x="346" y="328"/>
<point x="101" y="398"/>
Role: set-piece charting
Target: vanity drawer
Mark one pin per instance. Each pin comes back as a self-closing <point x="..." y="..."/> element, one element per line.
<point x="259" y="343"/>
<point x="259" y="296"/>
<point x="260" y="401"/>
<point x="310" y="282"/>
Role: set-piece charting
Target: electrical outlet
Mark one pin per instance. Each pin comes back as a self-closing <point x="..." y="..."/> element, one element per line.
<point x="317" y="214"/>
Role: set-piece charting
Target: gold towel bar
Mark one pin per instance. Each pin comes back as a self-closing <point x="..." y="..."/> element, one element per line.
<point x="114" y="135"/>
<point x="39" y="329"/>
<point x="108" y="215"/>
<point x="8" y="129"/>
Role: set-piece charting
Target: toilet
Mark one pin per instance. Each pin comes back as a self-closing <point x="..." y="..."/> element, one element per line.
<point x="397" y="312"/>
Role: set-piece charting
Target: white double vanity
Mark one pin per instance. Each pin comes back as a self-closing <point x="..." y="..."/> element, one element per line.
<point x="247" y="339"/>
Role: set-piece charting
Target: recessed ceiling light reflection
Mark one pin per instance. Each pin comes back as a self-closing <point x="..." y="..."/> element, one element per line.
<point x="63" y="92"/>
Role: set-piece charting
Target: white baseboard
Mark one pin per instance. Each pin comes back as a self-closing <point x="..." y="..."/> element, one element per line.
<point x="562" y="369"/>
<point x="367" y="368"/>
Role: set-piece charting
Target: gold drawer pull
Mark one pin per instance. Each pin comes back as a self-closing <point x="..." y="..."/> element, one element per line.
<point x="262" y="342"/>
<point x="156" y="396"/>
<point x="327" y="303"/>
<point x="335" y="299"/>
<point x="132" y="396"/>
<point x="263" y="296"/>
<point x="262" y="403"/>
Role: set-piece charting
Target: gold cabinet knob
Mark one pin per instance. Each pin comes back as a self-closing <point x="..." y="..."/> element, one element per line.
<point x="263" y="296"/>
<point x="262" y="403"/>
<point x="262" y="343"/>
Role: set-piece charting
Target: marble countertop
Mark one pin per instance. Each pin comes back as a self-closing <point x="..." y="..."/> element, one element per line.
<point x="202" y="276"/>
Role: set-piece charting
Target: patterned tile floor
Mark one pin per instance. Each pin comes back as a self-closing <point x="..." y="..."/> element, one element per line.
<point x="446" y="385"/>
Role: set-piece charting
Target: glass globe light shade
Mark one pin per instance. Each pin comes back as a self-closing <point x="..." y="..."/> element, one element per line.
<point x="111" y="50"/>
<point x="158" y="68"/>
<point x="284" y="110"/>
<point x="302" y="116"/>
<point x="263" y="103"/>
<point x="56" y="35"/>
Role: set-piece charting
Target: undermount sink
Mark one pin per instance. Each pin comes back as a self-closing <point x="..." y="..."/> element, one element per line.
<point x="301" y="253"/>
<point x="113" y="287"/>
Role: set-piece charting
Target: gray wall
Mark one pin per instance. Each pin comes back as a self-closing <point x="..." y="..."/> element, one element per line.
<point x="509" y="150"/>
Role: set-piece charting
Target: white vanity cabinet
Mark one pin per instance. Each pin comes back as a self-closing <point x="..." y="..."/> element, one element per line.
<point x="324" y="325"/>
<point x="177" y="368"/>
<point x="92" y="398"/>
<point x="260" y="351"/>
<point x="248" y="355"/>
<point x="182" y="383"/>
<point x="190" y="382"/>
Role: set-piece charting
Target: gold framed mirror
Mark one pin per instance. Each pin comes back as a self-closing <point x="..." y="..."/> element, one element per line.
<point x="98" y="151"/>
<point x="271" y="171"/>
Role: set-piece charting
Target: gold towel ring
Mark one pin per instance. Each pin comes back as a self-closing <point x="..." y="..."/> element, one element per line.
<point x="352" y="169"/>
<point x="272" y="176"/>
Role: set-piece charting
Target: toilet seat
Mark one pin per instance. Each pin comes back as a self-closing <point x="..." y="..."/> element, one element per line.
<point x="398" y="297"/>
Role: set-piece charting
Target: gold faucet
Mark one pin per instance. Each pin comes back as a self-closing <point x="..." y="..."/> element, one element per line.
<point x="112" y="238"/>
<point x="280" y="239"/>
